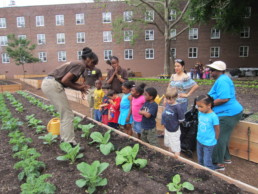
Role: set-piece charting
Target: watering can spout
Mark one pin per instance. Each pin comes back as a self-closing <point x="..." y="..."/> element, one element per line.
<point x="158" y="99"/>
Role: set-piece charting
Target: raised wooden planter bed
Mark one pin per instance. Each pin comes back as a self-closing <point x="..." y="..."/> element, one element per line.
<point x="9" y="86"/>
<point x="28" y="76"/>
<point x="2" y="77"/>
<point x="34" y="82"/>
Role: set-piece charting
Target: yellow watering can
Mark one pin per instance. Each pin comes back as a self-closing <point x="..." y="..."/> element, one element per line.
<point x="158" y="99"/>
<point x="53" y="126"/>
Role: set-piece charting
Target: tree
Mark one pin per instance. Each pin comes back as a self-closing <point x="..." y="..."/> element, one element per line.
<point x="20" y="50"/>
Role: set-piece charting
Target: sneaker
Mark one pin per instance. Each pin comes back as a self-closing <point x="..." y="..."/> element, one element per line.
<point x="219" y="168"/>
<point x="75" y="144"/>
<point x="160" y="136"/>
<point x="228" y="161"/>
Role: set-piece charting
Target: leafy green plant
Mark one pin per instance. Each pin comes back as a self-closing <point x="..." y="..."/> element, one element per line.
<point x="71" y="153"/>
<point x="11" y="124"/>
<point x="34" y="122"/>
<point x="76" y="122"/>
<point x="177" y="186"/>
<point x="105" y="146"/>
<point x="28" y="117"/>
<point x="37" y="185"/>
<point x="40" y="129"/>
<point x="27" y="153"/>
<point x="19" y="143"/>
<point x="86" y="130"/>
<point x="91" y="175"/>
<point x="49" y="138"/>
<point x="127" y="157"/>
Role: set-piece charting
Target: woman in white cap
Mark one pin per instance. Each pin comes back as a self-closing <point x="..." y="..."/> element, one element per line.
<point x="228" y="109"/>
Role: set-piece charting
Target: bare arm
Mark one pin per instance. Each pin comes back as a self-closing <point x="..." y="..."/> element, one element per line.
<point x="144" y="113"/>
<point x="183" y="95"/>
<point x="66" y="80"/>
<point x="220" y="101"/>
<point x="130" y="109"/>
<point x="217" y="131"/>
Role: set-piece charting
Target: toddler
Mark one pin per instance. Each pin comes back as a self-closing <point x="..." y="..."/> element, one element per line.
<point x="105" y="104"/>
<point x="113" y="111"/>
<point x="98" y="95"/>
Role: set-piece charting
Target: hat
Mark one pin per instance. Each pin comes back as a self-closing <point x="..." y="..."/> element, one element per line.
<point x="218" y="65"/>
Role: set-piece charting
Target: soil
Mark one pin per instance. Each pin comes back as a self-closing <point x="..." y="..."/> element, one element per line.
<point x="5" y="82"/>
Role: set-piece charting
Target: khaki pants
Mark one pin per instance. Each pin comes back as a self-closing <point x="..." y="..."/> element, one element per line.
<point x="90" y="100"/>
<point x="56" y="94"/>
<point x="150" y="136"/>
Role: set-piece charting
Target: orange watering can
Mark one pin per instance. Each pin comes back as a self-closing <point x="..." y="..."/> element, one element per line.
<point x="53" y="126"/>
<point x="158" y="99"/>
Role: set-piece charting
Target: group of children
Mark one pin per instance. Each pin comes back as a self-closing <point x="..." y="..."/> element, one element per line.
<point x="136" y="112"/>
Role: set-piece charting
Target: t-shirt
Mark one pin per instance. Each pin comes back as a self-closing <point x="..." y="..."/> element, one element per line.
<point x="152" y="108"/>
<point x="98" y="95"/>
<point x="104" y="110"/>
<point x="137" y="104"/>
<point x="172" y="116"/>
<point x="91" y="76"/>
<point x="114" y="110"/>
<point x="115" y="83"/>
<point x="206" y="133"/>
<point x="224" y="88"/>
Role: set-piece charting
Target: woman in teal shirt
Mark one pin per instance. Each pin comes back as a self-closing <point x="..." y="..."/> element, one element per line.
<point x="228" y="109"/>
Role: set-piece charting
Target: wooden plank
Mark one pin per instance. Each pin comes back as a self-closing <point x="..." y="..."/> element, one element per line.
<point x="2" y="77"/>
<point x="29" y="76"/>
<point x="32" y="82"/>
<point x="10" y="88"/>
<point x="241" y="131"/>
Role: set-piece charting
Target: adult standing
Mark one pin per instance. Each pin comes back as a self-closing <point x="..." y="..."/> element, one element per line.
<point x="64" y="76"/>
<point x="117" y="75"/>
<point x="228" y="109"/>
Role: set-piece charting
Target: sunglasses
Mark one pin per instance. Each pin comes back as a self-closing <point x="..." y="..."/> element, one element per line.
<point x="179" y="60"/>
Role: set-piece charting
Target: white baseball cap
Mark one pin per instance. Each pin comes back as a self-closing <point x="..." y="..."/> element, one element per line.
<point x="218" y="65"/>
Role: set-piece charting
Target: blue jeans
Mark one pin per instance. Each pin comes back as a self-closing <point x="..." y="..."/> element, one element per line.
<point x="204" y="154"/>
<point x="97" y="115"/>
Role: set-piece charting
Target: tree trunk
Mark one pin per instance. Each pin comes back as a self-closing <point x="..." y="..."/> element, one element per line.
<point x="167" y="69"/>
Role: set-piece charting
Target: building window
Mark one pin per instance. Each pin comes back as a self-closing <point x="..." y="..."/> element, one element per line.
<point x="43" y="56"/>
<point x="128" y="16"/>
<point x="107" y="54"/>
<point x="128" y="54"/>
<point x="214" y="52"/>
<point x="40" y="21"/>
<point x="245" y="32"/>
<point x="248" y="12"/>
<point x="107" y="36"/>
<point x="172" y="15"/>
<point x="149" y="53"/>
<point x="60" y="38"/>
<point x="20" y="22"/>
<point x="59" y="20"/>
<point x="128" y="35"/>
<point x="243" y="51"/>
<point x="192" y="52"/>
<point x="193" y="33"/>
<point x="2" y="23"/>
<point x="149" y="34"/>
<point x="61" y="56"/>
<point x="149" y="16"/>
<point x="79" y="18"/>
<point x="5" y="58"/>
<point x="173" y="34"/>
<point x="3" y="40"/>
<point x="173" y="52"/>
<point x="106" y="17"/>
<point x="41" y="39"/>
<point x="80" y="36"/>
<point x="22" y="37"/>
<point x="79" y="55"/>
<point x="215" y="33"/>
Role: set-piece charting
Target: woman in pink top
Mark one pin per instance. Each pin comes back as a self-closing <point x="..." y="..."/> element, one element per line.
<point x="137" y="101"/>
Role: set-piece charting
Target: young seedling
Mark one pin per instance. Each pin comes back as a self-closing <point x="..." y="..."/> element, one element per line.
<point x="105" y="146"/>
<point x="127" y="157"/>
<point x="34" y="122"/>
<point x="40" y="129"/>
<point x="27" y="153"/>
<point x="86" y="130"/>
<point x="19" y="143"/>
<point x="177" y="186"/>
<point x="28" y="117"/>
<point x="49" y="138"/>
<point x="91" y="175"/>
<point x="76" y="122"/>
<point x="71" y="153"/>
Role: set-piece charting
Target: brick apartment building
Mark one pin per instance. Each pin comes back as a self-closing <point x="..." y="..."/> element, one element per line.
<point x="61" y="31"/>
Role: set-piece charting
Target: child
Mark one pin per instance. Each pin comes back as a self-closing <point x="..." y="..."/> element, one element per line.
<point x="149" y="113"/>
<point x="208" y="131"/>
<point x="105" y="104"/>
<point x="171" y="118"/>
<point x="137" y="102"/>
<point x="98" y="95"/>
<point x="113" y="112"/>
<point x="125" y="118"/>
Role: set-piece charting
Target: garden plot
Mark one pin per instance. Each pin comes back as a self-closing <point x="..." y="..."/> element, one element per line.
<point x="9" y="86"/>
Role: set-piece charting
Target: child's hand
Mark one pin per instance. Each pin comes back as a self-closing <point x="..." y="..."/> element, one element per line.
<point x="110" y="101"/>
<point x="109" y="117"/>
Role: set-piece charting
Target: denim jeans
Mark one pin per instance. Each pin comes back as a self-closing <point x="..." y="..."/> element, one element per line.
<point x="97" y="115"/>
<point x="204" y="154"/>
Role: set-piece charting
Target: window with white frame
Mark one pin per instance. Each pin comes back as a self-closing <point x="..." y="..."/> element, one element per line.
<point x="79" y="55"/>
<point x="192" y="52"/>
<point x="245" y="32"/>
<point x="107" y="36"/>
<point x="22" y="36"/>
<point x="193" y="33"/>
<point x="128" y="35"/>
<point x="149" y="34"/>
<point x="128" y="16"/>
<point x="43" y="56"/>
<point x="107" y="54"/>
<point x="149" y="53"/>
<point x="60" y="38"/>
<point x="20" y="22"/>
<point x="79" y="18"/>
<point x="128" y="54"/>
<point x="173" y="34"/>
<point x="243" y="51"/>
<point x="173" y="52"/>
<point x="61" y="56"/>
<point x="41" y="39"/>
<point x="214" y="52"/>
<point x="248" y="12"/>
<point x="2" y="23"/>
<point x="80" y="36"/>
<point x="5" y="58"/>
<point x="40" y="21"/>
<point x="172" y="15"/>
<point x="106" y="17"/>
<point x="215" y="33"/>
<point x="149" y="16"/>
<point x="3" y="40"/>
<point x="59" y="20"/>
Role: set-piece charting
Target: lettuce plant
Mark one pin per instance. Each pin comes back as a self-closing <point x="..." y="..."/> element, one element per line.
<point x="34" y="122"/>
<point x="177" y="186"/>
<point x="27" y="153"/>
<point x="76" y="122"/>
<point x="40" y="129"/>
<point x="19" y="143"/>
<point x="91" y="175"/>
<point x="49" y="138"/>
<point x="11" y="124"/>
<point x="127" y="158"/>
<point x="86" y="130"/>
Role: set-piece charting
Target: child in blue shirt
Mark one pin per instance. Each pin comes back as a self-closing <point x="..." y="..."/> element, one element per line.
<point x="149" y="112"/>
<point x="208" y="131"/>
